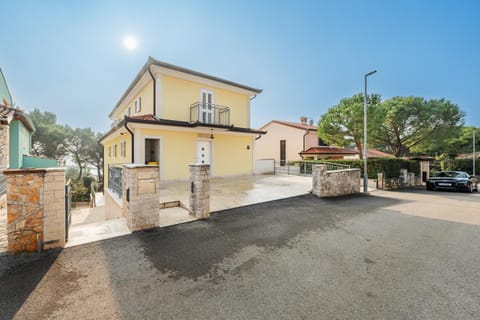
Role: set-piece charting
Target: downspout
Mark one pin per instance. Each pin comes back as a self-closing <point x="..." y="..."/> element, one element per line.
<point x="133" y="140"/>
<point x="154" y="93"/>
<point x="306" y="132"/>
<point x="249" y="110"/>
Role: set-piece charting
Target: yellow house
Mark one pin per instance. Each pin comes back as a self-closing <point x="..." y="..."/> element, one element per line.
<point x="172" y="116"/>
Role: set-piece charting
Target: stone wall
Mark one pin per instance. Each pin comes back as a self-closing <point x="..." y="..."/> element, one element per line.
<point x="141" y="194"/>
<point x="113" y="205"/>
<point x="54" y="208"/>
<point x="25" y="200"/>
<point x="4" y="145"/>
<point x="200" y="190"/>
<point x="35" y="209"/>
<point x="334" y="183"/>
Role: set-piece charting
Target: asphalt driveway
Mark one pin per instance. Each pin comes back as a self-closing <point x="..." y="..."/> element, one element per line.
<point x="390" y="255"/>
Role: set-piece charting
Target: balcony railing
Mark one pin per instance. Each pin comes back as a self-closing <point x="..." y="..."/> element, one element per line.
<point x="115" y="180"/>
<point x="209" y="113"/>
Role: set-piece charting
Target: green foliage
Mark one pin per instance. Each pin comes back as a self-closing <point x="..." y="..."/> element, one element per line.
<point x="342" y="125"/>
<point x="462" y="143"/>
<point x="79" y="191"/>
<point x="49" y="136"/>
<point x="57" y="141"/>
<point x="461" y="165"/>
<point x="415" y="124"/>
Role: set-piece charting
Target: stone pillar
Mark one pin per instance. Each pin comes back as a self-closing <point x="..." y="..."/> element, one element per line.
<point x="25" y="200"/>
<point x="140" y="196"/>
<point x="404" y="176"/>
<point x="411" y="179"/>
<point x="54" y="209"/>
<point x="200" y="190"/>
<point x="319" y="173"/>
<point x="380" y="181"/>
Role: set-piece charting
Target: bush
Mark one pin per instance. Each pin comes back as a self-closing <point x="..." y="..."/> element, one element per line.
<point x="461" y="165"/>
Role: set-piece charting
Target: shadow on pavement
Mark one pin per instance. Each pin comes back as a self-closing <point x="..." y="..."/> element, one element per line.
<point x="193" y="250"/>
<point x="14" y="269"/>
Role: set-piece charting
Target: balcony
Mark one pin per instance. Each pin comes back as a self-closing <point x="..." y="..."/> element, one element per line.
<point x="209" y="113"/>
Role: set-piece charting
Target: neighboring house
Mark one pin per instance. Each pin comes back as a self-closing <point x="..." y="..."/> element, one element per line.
<point x="172" y="117"/>
<point x="16" y="129"/>
<point x="284" y="140"/>
<point x="334" y="153"/>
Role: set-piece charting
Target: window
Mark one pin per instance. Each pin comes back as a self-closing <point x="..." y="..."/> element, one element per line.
<point x="123" y="147"/>
<point x="129" y="111"/>
<point x="138" y="104"/>
<point x="115" y="150"/>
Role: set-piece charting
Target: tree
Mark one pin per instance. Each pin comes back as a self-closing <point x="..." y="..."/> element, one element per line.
<point x="342" y="125"/>
<point x="48" y="137"/>
<point x="78" y="145"/>
<point x="415" y="124"/>
<point x="95" y="156"/>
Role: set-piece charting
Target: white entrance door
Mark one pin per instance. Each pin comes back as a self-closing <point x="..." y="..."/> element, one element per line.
<point x="207" y="114"/>
<point x="203" y="152"/>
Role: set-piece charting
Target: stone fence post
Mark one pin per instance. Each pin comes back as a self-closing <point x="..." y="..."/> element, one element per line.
<point x="141" y="196"/>
<point x="380" y="181"/>
<point x="319" y="174"/>
<point x="35" y="209"/>
<point x="200" y="190"/>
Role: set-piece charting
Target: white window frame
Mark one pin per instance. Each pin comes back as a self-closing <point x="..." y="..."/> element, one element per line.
<point x="138" y="104"/>
<point x="202" y="109"/>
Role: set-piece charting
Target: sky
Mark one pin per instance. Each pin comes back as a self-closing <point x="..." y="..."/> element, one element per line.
<point x="68" y="57"/>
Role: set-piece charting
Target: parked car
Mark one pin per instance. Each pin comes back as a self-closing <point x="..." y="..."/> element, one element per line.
<point x="453" y="180"/>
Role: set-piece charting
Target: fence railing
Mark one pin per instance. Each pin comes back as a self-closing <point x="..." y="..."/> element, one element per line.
<point x="209" y="113"/>
<point x="304" y="167"/>
<point x="115" y="180"/>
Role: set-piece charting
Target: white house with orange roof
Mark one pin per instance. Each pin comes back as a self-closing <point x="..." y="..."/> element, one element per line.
<point x="284" y="140"/>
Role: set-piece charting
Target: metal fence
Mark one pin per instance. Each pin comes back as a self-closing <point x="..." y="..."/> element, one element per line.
<point x="115" y="179"/>
<point x="304" y="167"/>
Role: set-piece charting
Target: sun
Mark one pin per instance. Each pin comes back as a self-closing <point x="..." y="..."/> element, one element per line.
<point x="130" y="43"/>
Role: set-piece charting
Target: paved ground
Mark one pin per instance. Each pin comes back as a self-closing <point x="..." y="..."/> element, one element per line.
<point x="390" y="255"/>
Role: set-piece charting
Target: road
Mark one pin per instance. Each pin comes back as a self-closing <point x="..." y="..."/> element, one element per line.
<point x="389" y="255"/>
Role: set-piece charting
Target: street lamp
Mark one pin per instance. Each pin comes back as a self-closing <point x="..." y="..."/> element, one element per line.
<point x="473" y="134"/>
<point x="365" y="174"/>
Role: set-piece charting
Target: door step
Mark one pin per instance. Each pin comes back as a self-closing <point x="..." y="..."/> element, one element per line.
<point x="174" y="204"/>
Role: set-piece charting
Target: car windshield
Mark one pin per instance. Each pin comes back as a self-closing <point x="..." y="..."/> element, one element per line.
<point x="452" y="174"/>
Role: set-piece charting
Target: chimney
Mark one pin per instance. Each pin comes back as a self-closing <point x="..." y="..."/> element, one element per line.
<point x="303" y="120"/>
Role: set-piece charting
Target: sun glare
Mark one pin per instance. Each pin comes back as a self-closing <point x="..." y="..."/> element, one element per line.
<point x="130" y="43"/>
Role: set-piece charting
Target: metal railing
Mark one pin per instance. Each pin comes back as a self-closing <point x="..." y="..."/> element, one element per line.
<point x="115" y="180"/>
<point x="304" y="167"/>
<point x="209" y="113"/>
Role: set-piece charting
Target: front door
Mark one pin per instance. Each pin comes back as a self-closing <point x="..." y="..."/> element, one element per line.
<point x="283" y="151"/>
<point x="207" y="114"/>
<point x="203" y="155"/>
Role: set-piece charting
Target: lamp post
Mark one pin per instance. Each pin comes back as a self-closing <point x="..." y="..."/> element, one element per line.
<point x="365" y="174"/>
<point x="473" y="135"/>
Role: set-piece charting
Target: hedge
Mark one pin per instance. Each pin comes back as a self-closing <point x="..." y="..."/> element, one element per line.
<point x="461" y="165"/>
<point x="389" y="166"/>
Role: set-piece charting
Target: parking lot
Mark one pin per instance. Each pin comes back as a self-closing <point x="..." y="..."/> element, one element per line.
<point x="407" y="254"/>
